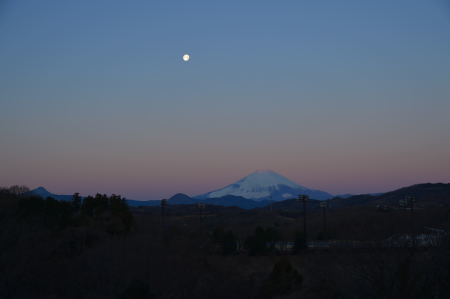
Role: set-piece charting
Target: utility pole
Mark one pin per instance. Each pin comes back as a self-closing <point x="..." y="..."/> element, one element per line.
<point x="410" y="201"/>
<point x="201" y="206"/>
<point x="324" y="206"/>
<point x="163" y="211"/>
<point x="304" y="198"/>
<point x="164" y="204"/>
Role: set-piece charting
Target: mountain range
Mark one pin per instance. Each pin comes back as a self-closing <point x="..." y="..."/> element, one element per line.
<point x="177" y="199"/>
<point x="425" y="194"/>
<point x="257" y="189"/>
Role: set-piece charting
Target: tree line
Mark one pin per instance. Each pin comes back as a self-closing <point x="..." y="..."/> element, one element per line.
<point x="109" y="213"/>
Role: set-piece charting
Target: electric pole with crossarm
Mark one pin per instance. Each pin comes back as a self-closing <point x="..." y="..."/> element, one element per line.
<point x="304" y="198"/>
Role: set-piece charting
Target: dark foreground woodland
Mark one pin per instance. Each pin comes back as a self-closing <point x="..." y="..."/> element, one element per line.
<point x="98" y="247"/>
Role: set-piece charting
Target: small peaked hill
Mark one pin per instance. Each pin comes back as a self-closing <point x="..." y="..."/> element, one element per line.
<point x="44" y="193"/>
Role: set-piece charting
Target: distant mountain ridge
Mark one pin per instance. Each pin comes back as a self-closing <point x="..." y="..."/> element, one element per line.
<point x="437" y="194"/>
<point x="265" y="185"/>
<point x="225" y="201"/>
<point x="428" y="194"/>
<point x="177" y="199"/>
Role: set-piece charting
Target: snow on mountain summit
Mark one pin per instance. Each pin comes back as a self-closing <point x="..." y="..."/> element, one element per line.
<point x="266" y="178"/>
<point x="265" y="184"/>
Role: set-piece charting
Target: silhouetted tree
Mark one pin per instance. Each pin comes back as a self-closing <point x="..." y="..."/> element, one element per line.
<point x="229" y="245"/>
<point x="18" y="190"/>
<point x="137" y="290"/>
<point x="120" y="211"/>
<point x="300" y="242"/>
<point x="48" y="212"/>
<point x="262" y="241"/>
<point x="283" y="280"/>
<point x="226" y="239"/>
<point x="76" y="201"/>
<point x="218" y="234"/>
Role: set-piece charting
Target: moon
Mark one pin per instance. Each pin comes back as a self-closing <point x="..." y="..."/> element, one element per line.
<point x="186" y="57"/>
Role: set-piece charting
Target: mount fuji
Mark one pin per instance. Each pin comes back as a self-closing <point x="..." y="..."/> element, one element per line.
<point x="265" y="185"/>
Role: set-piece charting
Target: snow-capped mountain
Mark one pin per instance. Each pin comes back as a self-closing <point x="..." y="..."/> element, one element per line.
<point x="263" y="185"/>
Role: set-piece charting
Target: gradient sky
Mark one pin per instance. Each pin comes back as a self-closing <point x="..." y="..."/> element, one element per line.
<point x="342" y="96"/>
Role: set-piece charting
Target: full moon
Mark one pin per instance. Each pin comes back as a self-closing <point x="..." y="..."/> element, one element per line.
<point x="186" y="57"/>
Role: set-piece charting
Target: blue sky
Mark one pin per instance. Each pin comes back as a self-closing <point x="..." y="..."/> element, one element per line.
<point x="344" y="96"/>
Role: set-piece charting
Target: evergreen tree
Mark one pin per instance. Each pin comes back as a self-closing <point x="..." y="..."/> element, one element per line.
<point x="300" y="242"/>
<point x="283" y="280"/>
<point x="262" y="241"/>
<point x="76" y="201"/>
<point x="229" y="243"/>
